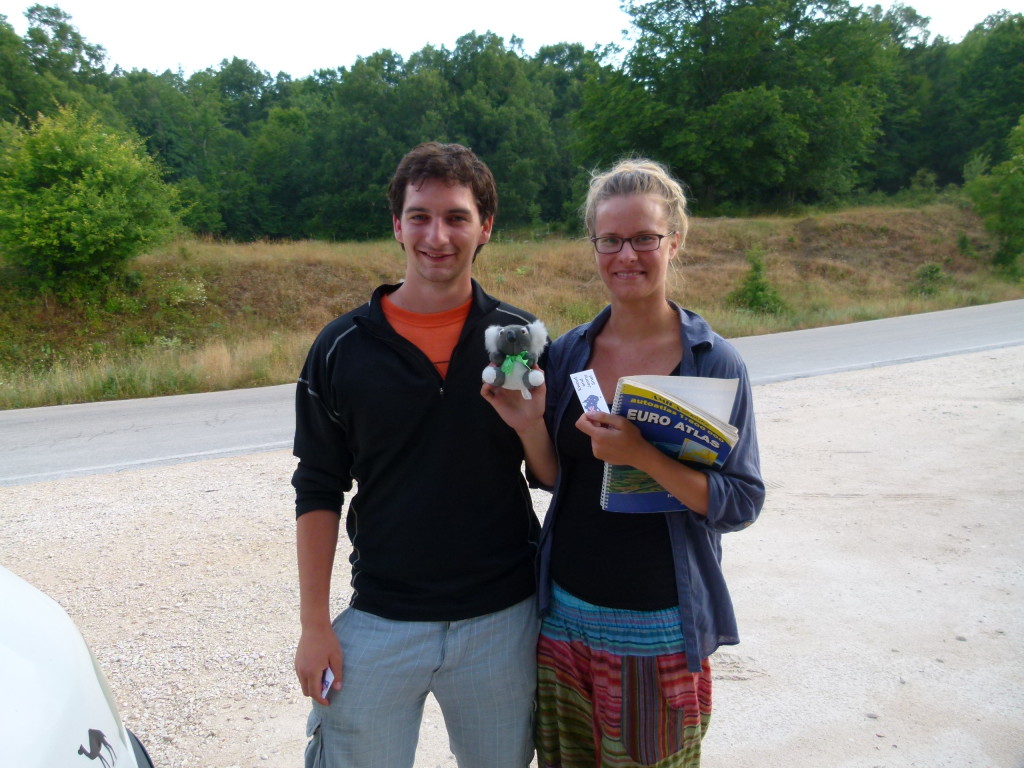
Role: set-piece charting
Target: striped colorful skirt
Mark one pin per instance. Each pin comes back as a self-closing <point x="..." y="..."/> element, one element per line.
<point x="614" y="691"/>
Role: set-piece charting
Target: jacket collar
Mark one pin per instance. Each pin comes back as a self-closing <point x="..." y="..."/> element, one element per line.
<point x="482" y="301"/>
<point x="695" y="334"/>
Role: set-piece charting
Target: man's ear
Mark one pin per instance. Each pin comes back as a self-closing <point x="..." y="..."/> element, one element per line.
<point x="396" y="225"/>
<point x="488" y="226"/>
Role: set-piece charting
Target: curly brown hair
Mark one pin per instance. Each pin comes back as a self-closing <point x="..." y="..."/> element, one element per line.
<point x="450" y="163"/>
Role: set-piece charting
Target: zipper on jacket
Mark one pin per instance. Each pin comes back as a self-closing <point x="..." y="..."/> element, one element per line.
<point x="407" y="349"/>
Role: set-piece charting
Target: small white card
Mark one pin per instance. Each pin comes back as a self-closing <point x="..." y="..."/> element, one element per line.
<point x="589" y="391"/>
<point x="328" y="679"/>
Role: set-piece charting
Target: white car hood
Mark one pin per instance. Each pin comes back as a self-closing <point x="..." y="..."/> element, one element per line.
<point x="55" y="707"/>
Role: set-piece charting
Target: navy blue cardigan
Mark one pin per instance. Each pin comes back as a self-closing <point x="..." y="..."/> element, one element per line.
<point x="735" y="493"/>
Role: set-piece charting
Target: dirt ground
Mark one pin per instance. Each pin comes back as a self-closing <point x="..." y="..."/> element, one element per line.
<point x="880" y="596"/>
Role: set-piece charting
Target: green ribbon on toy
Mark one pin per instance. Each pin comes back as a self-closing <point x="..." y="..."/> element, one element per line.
<point x="511" y="360"/>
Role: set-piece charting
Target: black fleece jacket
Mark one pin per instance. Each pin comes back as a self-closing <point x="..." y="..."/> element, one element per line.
<point x="441" y="523"/>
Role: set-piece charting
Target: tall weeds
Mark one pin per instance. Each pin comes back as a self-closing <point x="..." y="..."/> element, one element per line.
<point x="202" y="315"/>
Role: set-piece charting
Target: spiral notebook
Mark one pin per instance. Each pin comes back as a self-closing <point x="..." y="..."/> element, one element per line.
<point x="685" y="417"/>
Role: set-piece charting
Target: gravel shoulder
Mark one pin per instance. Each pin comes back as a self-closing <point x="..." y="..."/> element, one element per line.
<point x="879" y="596"/>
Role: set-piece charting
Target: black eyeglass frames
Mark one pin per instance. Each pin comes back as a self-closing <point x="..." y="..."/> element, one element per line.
<point x="639" y="243"/>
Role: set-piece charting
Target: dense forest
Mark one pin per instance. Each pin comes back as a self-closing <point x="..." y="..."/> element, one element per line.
<point x="759" y="105"/>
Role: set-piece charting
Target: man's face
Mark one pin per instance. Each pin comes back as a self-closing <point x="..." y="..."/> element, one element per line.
<point x="441" y="229"/>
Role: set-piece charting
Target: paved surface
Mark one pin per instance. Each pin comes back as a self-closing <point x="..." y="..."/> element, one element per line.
<point x="880" y="596"/>
<point x="49" y="443"/>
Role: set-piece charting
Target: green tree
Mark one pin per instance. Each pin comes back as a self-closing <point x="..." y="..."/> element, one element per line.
<point x="999" y="198"/>
<point x="358" y="130"/>
<point x="51" y="65"/>
<point x="562" y="69"/>
<point x="503" y="115"/>
<point x="55" y="45"/>
<point x="218" y="188"/>
<point x="283" y="163"/>
<point x="77" y="202"/>
<point x="976" y="95"/>
<point x="205" y="130"/>
<point x="619" y="116"/>
<point x="158" y="108"/>
<point x="899" y="151"/>
<point x="480" y="94"/>
<point x="246" y="91"/>
<point x="21" y="90"/>
<point x="69" y="69"/>
<point x="753" y="102"/>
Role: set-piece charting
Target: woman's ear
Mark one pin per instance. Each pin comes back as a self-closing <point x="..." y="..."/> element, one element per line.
<point x="675" y="241"/>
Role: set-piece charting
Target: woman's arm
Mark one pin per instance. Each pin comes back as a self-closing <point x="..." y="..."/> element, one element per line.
<point x="616" y="440"/>
<point x="526" y="417"/>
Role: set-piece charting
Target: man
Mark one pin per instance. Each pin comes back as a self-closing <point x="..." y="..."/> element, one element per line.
<point x="442" y="528"/>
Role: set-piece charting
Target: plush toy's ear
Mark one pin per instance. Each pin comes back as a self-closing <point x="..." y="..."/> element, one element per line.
<point x="491" y="338"/>
<point x="538" y="337"/>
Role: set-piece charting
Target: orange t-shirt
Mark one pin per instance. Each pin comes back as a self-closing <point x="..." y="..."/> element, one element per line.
<point x="435" y="333"/>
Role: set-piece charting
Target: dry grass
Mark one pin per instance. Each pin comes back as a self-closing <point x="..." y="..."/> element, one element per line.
<point x="213" y="366"/>
<point x="854" y="265"/>
<point x="216" y="315"/>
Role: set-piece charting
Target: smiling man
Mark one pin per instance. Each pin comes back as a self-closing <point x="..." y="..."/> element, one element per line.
<point x="442" y="529"/>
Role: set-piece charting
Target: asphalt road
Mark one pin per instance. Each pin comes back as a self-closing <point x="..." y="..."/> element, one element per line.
<point x="41" y="444"/>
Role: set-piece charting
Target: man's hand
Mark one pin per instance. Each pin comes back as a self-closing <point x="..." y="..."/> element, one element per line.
<point x="318" y="650"/>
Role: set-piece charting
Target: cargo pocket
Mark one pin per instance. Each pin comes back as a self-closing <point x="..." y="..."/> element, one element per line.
<point x="652" y="717"/>
<point x="314" y="747"/>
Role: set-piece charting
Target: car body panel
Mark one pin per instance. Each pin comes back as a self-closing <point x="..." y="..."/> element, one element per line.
<point x="56" y="709"/>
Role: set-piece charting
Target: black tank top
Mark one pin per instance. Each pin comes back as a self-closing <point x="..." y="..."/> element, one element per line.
<point x="612" y="559"/>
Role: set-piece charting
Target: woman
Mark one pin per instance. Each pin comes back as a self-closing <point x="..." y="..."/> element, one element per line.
<point x="633" y="604"/>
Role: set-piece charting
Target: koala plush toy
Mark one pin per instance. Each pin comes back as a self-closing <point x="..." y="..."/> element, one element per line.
<point x="514" y="350"/>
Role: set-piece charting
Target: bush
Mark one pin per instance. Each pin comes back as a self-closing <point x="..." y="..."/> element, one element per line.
<point x="999" y="199"/>
<point x="930" y="279"/>
<point x="755" y="293"/>
<point x="77" y="202"/>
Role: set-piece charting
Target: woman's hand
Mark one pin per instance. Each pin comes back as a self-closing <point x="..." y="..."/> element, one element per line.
<point x="515" y="410"/>
<point x="618" y="441"/>
<point x="613" y="438"/>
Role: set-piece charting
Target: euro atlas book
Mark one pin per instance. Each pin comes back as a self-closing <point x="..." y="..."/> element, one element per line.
<point x="685" y="417"/>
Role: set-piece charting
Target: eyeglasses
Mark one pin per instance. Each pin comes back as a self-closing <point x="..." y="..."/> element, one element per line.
<point x="638" y="243"/>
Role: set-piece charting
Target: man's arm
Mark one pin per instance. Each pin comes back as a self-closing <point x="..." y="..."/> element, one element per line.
<point x="316" y="542"/>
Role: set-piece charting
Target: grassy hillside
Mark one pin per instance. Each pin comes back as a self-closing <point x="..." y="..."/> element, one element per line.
<point x="201" y="316"/>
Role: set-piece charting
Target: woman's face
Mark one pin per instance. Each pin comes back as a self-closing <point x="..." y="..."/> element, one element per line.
<point x="628" y="274"/>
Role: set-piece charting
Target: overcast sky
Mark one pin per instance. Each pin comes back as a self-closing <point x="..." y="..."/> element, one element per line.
<point x="300" y="36"/>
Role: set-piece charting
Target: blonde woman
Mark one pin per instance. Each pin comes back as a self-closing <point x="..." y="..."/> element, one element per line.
<point x="632" y="604"/>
